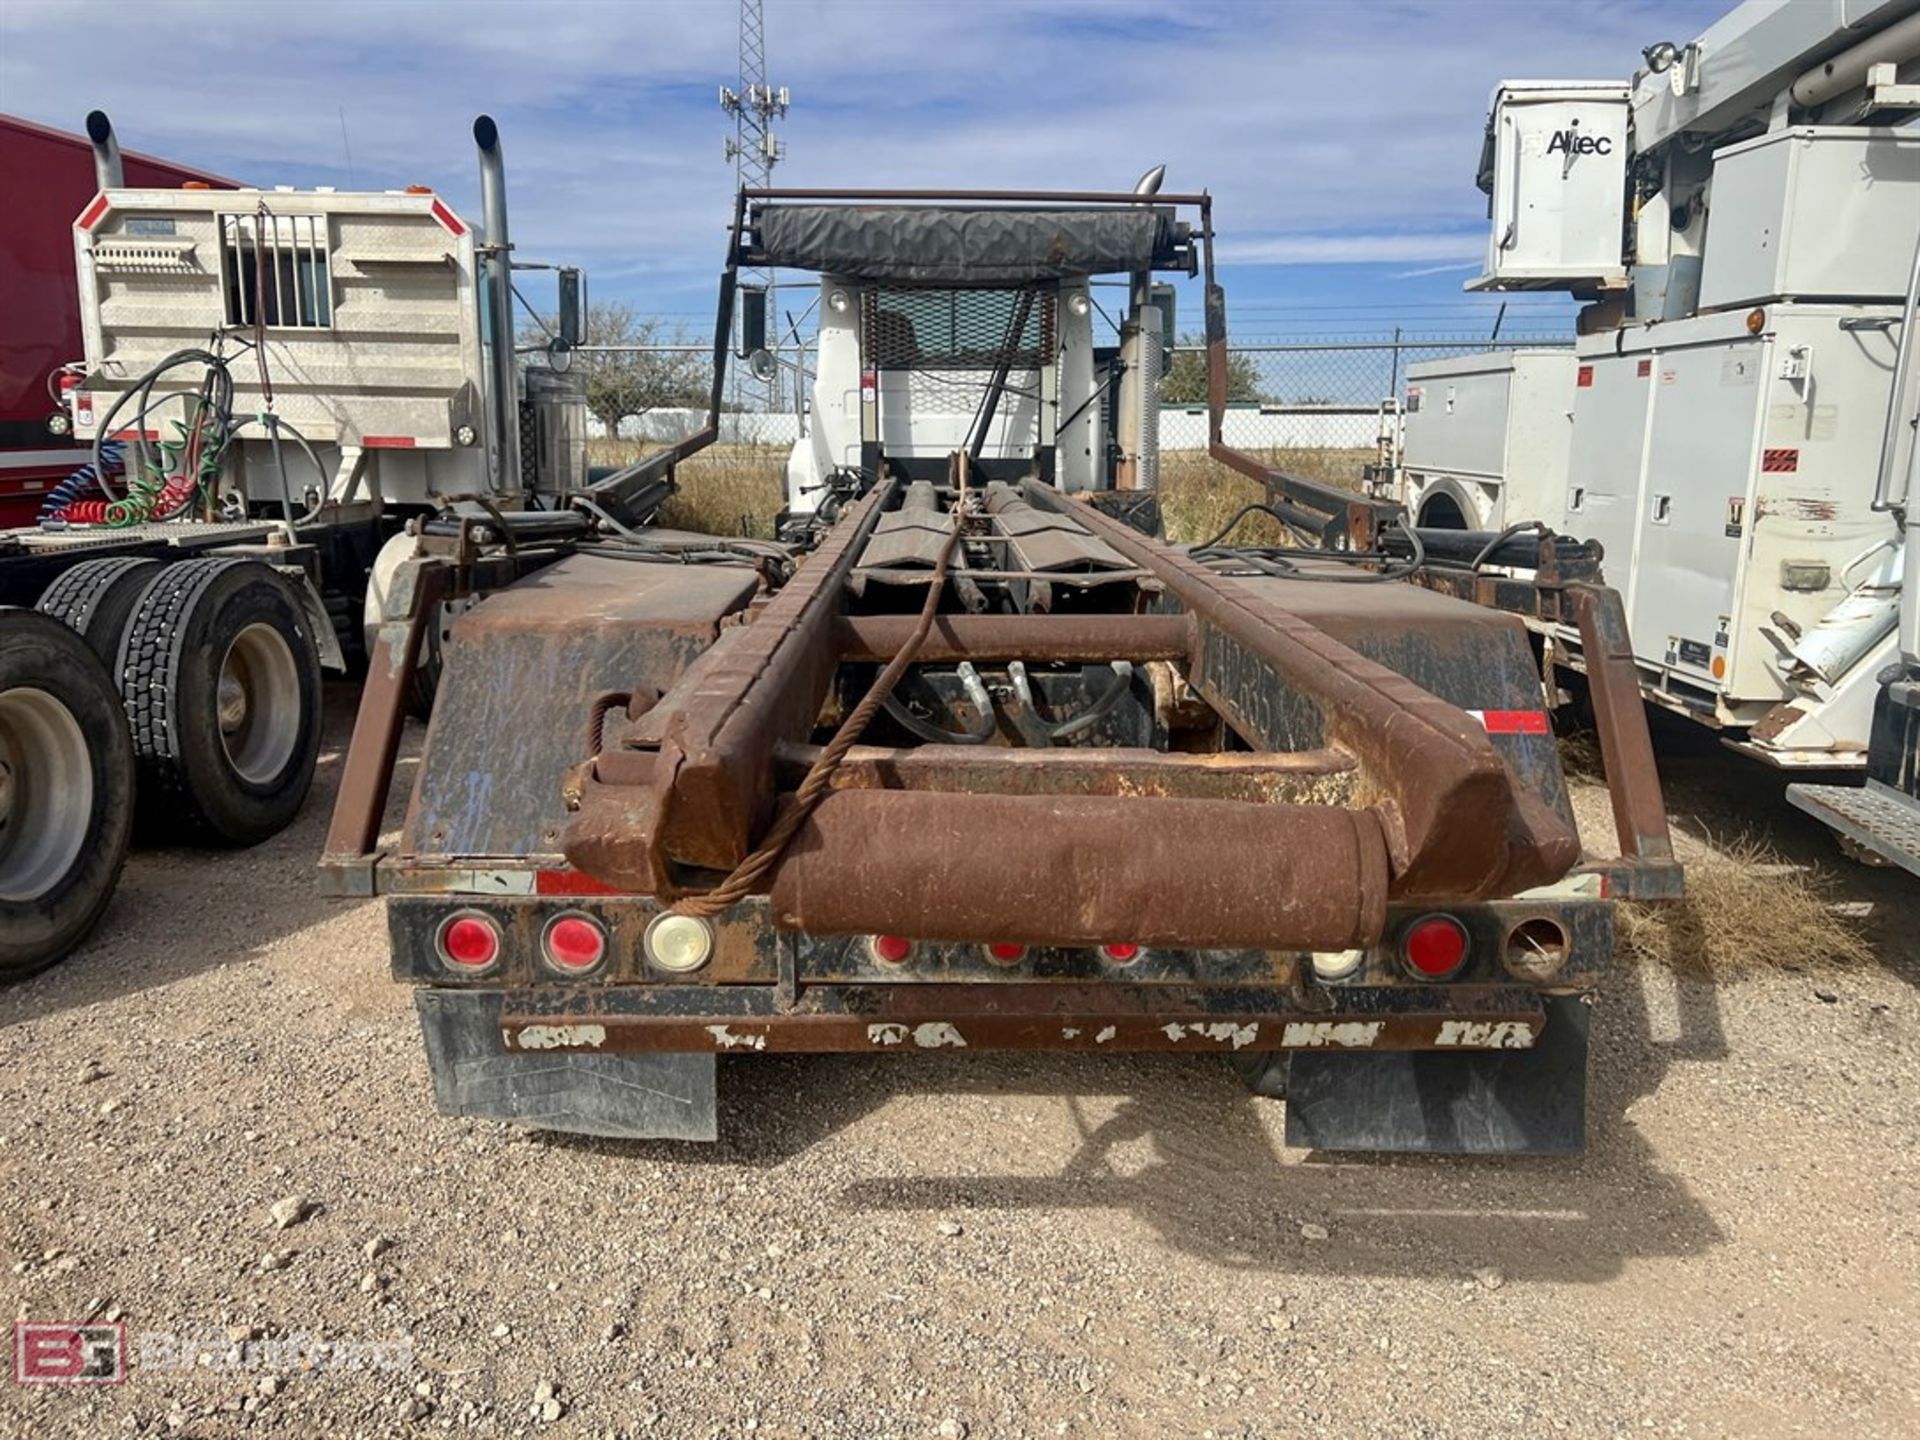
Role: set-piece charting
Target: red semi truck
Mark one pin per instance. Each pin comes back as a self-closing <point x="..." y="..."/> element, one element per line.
<point x="39" y="299"/>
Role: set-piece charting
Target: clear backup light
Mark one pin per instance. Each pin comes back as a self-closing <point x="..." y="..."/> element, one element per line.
<point x="678" y="942"/>
<point x="468" y="943"/>
<point x="1336" y="964"/>
<point x="839" y="301"/>
<point x="574" y="944"/>
<point x="1078" y="303"/>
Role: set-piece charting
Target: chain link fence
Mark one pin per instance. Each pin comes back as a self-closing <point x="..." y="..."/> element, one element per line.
<point x="1283" y="395"/>
<point x="1309" y="395"/>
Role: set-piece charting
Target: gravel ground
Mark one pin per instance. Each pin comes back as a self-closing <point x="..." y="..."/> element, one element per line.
<point x="994" y="1246"/>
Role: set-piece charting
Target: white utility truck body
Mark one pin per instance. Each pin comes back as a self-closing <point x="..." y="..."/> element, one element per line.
<point x="1735" y="432"/>
<point x="1491" y="435"/>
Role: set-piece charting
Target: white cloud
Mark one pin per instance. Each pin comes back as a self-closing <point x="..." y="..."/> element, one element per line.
<point x="1354" y="249"/>
<point x="1327" y="133"/>
<point x="1426" y="270"/>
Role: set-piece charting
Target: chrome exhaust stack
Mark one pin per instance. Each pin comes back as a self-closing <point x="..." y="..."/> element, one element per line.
<point x="502" y="389"/>
<point x="108" y="173"/>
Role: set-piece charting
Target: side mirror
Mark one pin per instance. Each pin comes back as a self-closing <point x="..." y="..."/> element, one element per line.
<point x="573" y="306"/>
<point x="752" y="303"/>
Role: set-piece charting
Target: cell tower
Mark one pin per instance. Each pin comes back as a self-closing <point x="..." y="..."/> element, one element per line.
<point x="753" y="147"/>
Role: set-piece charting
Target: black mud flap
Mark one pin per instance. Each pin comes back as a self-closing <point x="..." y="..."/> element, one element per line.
<point x="630" y="1097"/>
<point x="1487" y="1102"/>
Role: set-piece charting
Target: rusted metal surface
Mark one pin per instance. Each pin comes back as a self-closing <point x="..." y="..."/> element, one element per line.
<point x="1039" y="540"/>
<point x="1308" y="776"/>
<point x="362" y="800"/>
<point x="1626" y="747"/>
<point x="1069" y="870"/>
<point x="1353" y="518"/>
<point x="713" y="774"/>
<point x="933" y="1018"/>
<point x="1561" y="592"/>
<point x="1476" y="659"/>
<point x="1436" y="804"/>
<point x="1562" y="941"/>
<point x="1456" y="821"/>
<point x="1082" y="579"/>
<point x="521" y="676"/>
<point x="1037" y="639"/>
<point x="913" y="535"/>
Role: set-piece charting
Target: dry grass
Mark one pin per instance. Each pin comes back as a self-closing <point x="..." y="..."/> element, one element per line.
<point x="739" y="489"/>
<point x="1580" y="756"/>
<point x="1746" y="909"/>
<point x="1198" y="494"/>
<point x="724" y="490"/>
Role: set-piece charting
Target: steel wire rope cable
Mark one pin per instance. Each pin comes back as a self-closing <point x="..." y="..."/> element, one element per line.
<point x="819" y="778"/>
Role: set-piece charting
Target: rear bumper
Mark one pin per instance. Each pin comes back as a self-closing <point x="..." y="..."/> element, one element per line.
<point x="1492" y="1072"/>
<point x="769" y="989"/>
<point x="908" y="1019"/>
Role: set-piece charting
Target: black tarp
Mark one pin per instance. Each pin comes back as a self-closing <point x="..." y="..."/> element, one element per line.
<point x="971" y="245"/>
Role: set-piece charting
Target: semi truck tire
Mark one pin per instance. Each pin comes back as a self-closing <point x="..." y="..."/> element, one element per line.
<point x="220" y="675"/>
<point x="96" y="597"/>
<point x="66" y="791"/>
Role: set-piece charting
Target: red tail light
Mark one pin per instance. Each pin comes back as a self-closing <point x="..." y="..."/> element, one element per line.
<point x="1005" y="954"/>
<point x="574" y="944"/>
<point x="1434" y="947"/>
<point x="890" y="949"/>
<point x="1121" y="954"/>
<point x="469" y="943"/>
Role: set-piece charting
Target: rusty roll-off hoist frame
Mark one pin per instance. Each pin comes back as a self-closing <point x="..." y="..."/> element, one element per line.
<point x="977" y="760"/>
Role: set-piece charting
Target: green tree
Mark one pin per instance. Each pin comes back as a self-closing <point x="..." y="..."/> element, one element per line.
<point x="1185" y="382"/>
<point x="627" y="382"/>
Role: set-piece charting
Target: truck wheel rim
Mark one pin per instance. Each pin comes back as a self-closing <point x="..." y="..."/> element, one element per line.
<point x="259" y="704"/>
<point x="46" y="792"/>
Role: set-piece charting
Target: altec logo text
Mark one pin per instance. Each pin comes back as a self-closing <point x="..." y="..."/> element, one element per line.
<point x="60" y="1353"/>
<point x="1572" y="142"/>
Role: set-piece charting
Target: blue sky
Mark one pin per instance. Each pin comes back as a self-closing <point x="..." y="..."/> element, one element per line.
<point x="1340" y="139"/>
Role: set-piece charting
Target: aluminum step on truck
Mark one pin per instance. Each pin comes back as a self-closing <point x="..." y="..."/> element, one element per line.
<point x="980" y="762"/>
